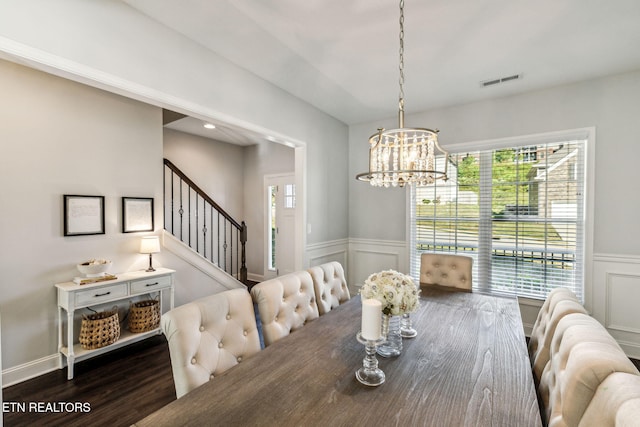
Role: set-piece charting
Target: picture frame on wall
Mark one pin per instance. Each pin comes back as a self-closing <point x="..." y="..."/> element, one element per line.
<point x="83" y="215"/>
<point x="137" y="214"/>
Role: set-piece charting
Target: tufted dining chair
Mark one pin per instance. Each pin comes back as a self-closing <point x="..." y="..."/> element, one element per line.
<point x="208" y="336"/>
<point x="446" y="270"/>
<point x="583" y="355"/>
<point x="285" y="304"/>
<point x="616" y="402"/>
<point x="559" y="303"/>
<point x="330" y="286"/>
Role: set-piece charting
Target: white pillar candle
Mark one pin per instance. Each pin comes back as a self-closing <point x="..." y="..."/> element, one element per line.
<point x="371" y="319"/>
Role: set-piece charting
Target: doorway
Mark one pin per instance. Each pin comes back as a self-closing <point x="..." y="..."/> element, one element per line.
<point x="280" y="215"/>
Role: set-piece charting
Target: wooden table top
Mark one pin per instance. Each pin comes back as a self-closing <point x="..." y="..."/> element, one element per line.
<point x="468" y="366"/>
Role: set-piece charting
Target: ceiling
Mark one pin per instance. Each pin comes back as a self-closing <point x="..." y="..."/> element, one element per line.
<point x="222" y="131"/>
<point x="342" y="56"/>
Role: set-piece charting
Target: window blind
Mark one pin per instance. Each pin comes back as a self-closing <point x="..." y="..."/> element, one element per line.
<point x="518" y="211"/>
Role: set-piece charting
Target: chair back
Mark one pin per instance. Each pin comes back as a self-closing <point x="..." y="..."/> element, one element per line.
<point x="329" y="285"/>
<point x="285" y="304"/>
<point x="583" y="354"/>
<point x="208" y="336"/>
<point x="559" y="303"/>
<point x="447" y="270"/>
<point x="616" y="402"/>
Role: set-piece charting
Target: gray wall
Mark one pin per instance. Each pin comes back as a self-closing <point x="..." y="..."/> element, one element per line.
<point x="60" y="137"/>
<point x="216" y="167"/>
<point x="610" y="104"/>
<point x="260" y="160"/>
<point x="233" y="176"/>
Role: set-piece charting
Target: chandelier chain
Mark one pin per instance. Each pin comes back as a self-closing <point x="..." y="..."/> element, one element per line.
<point x="401" y="66"/>
<point x="402" y="156"/>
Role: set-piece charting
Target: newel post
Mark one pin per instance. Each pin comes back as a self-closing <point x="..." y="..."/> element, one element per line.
<point x="243" y="241"/>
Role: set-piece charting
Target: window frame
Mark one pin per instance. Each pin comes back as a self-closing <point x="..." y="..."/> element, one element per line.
<point x="589" y="135"/>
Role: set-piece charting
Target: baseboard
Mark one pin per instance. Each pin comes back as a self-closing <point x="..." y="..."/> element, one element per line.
<point x="26" y="371"/>
<point x="631" y="349"/>
<point x="255" y="277"/>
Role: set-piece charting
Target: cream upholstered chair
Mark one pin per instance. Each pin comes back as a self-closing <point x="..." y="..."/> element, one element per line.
<point x="615" y="404"/>
<point x="285" y="304"/>
<point x="208" y="336"/>
<point x="559" y="303"/>
<point x="330" y="286"/>
<point x="583" y="355"/>
<point x="447" y="270"/>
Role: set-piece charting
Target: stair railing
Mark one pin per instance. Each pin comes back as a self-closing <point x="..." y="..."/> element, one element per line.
<point x="194" y="218"/>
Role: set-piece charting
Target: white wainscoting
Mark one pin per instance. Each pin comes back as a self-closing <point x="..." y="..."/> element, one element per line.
<point x="370" y="256"/>
<point x="615" y="298"/>
<point x="333" y="250"/>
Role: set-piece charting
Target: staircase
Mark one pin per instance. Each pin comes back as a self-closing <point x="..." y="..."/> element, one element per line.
<point x="193" y="218"/>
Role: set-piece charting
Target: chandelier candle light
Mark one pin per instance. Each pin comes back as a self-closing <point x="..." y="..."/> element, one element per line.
<point x="405" y="155"/>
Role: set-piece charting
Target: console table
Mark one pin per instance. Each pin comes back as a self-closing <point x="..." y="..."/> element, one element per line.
<point x="72" y="296"/>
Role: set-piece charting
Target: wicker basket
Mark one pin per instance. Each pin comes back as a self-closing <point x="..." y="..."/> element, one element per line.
<point x="99" y="329"/>
<point x="144" y="315"/>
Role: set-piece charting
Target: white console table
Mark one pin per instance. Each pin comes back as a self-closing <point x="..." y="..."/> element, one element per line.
<point x="72" y="296"/>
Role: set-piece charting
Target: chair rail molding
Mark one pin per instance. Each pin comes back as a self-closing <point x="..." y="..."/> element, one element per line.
<point x="615" y="292"/>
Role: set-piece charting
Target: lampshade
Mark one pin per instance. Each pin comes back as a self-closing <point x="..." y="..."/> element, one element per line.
<point x="150" y="245"/>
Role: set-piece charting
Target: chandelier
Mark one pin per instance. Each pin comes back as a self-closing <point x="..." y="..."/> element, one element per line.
<point x="405" y="155"/>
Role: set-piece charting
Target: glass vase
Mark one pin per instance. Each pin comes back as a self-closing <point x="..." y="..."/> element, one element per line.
<point x="392" y="344"/>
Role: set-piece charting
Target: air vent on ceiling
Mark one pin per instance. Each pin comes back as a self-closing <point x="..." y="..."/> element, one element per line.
<point x="494" y="82"/>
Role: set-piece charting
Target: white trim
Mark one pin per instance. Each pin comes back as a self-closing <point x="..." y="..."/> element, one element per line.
<point x="255" y="277"/>
<point x="608" y="322"/>
<point x="300" y="170"/>
<point x="26" y="371"/>
<point x="388" y="243"/>
<point x="331" y="250"/>
<point x="326" y="244"/>
<point x="266" y="180"/>
<point x="523" y="140"/>
<point x="71" y="70"/>
<point x="606" y="269"/>
<point x="625" y="259"/>
<point x="199" y="262"/>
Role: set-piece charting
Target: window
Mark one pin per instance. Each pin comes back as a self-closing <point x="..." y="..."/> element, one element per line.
<point x="289" y="196"/>
<point x="518" y="211"/>
<point x="271" y="256"/>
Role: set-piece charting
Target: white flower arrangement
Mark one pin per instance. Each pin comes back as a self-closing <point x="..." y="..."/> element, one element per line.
<point x="396" y="291"/>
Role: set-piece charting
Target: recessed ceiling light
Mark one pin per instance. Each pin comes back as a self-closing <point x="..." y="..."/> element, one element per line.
<point x="209" y="126"/>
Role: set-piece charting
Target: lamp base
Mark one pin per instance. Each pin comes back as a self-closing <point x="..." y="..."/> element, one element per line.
<point x="150" y="269"/>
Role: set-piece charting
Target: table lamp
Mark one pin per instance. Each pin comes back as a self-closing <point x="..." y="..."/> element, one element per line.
<point x="150" y="245"/>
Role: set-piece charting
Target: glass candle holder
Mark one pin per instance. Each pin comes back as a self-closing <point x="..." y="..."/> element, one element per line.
<point x="369" y="374"/>
<point x="406" y="329"/>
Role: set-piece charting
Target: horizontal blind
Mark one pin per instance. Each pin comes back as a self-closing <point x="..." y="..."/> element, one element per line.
<point x="519" y="212"/>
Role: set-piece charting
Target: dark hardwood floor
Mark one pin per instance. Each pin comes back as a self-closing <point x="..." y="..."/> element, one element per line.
<point x="118" y="389"/>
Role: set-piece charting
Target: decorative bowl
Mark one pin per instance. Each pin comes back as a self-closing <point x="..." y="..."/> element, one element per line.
<point x="94" y="267"/>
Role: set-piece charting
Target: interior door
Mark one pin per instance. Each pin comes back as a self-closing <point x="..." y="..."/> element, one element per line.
<point x="280" y="225"/>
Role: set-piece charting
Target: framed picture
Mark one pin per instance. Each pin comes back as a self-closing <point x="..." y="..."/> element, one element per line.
<point x="137" y="214"/>
<point x="83" y="215"/>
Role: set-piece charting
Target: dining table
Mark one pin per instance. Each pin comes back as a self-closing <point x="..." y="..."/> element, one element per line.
<point x="467" y="366"/>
